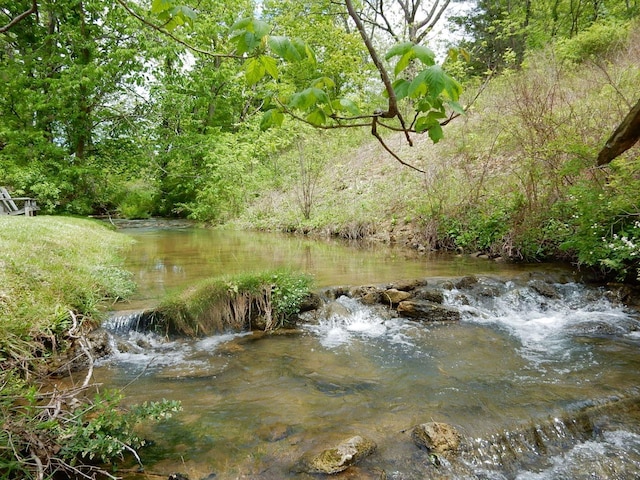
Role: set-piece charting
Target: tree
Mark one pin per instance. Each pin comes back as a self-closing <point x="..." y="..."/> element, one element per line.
<point x="69" y="80"/>
<point x="623" y="138"/>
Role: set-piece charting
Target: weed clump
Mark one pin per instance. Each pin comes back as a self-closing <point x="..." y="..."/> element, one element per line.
<point x="265" y="301"/>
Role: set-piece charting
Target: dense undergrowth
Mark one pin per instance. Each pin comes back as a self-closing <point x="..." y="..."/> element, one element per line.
<point x="54" y="275"/>
<point x="516" y="177"/>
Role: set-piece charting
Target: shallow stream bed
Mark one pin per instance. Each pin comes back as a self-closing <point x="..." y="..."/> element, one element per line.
<point x="539" y="387"/>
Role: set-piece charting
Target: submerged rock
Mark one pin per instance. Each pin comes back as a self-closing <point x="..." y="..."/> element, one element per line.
<point x="436" y="437"/>
<point x="339" y="458"/>
<point x="466" y="282"/>
<point x="427" y="311"/>
<point x="274" y="433"/>
<point x="545" y="289"/>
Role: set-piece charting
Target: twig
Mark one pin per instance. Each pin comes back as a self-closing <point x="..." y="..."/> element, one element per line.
<point x="374" y="132"/>
<point x="193" y="48"/>
<point x="83" y="342"/>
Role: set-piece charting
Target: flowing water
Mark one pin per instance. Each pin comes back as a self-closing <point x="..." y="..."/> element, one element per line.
<point x="540" y="386"/>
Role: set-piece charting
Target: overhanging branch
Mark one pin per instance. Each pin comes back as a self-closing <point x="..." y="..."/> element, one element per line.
<point x="176" y="39"/>
<point x="32" y="9"/>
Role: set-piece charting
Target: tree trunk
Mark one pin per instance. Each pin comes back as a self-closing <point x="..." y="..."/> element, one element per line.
<point x="623" y="138"/>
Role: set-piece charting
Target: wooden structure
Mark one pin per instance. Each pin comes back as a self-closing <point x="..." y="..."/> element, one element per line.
<point x="9" y="205"/>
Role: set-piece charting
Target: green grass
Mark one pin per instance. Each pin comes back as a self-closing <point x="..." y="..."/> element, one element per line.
<point x="266" y="300"/>
<point x="50" y="266"/>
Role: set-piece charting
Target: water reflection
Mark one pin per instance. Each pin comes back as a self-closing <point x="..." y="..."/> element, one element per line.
<point x="165" y="259"/>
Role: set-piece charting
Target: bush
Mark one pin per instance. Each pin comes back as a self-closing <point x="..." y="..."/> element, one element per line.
<point x="62" y="431"/>
<point x="598" y="41"/>
<point x="605" y="222"/>
<point x="138" y="202"/>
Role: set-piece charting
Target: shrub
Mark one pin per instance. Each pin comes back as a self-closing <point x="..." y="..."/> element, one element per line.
<point x="138" y="202"/>
<point x="598" y="41"/>
<point x="606" y="221"/>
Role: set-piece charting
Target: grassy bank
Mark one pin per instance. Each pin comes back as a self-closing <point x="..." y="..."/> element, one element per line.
<point x="264" y="301"/>
<point x="516" y="177"/>
<point x="54" y="275"/>
<point x="49" y="267"/>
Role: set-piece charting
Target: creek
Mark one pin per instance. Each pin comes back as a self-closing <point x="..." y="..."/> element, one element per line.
<point x="540" y="386"/>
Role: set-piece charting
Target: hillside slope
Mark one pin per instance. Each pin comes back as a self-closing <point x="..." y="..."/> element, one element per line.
<point x="515" y="177"/>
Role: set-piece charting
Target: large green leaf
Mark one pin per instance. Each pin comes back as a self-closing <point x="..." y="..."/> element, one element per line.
<point x="270" y="65"/>
<point x="425" y="123"/>
<point x="435" y="133"/>
<point x="254" y="70"/>
<point x="345" y="105"/>
<point x="398" y="49"/>
<point x="418" y="86"/>
<point x="404" y="62"/>
<point x="278" y="45"/>
<point x="271" y="118"/>
<point x="317" y="117"/>
<point x="401" y="88"/>
<point x="160" y="6"/>
<point x="323" y="82"/>
<point x="436" y="80"/>
<point x="260" y="28"/>
<point x="284" y="48"/>
<point x="247" y="34"/>
<point x="456" y="107"/>
<point x="424" y="54"/>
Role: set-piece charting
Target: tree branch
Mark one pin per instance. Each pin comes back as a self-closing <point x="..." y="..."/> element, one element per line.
<point x="374" y="132"/>
<point x="392" y="110"/>
<point x="193" y="48"/>
<point x="32" y="9"/>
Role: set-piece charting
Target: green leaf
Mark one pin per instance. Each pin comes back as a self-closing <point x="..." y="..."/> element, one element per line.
<point x="303" y="100"/>
<point x="403" y="62"/>
<point x="311" y="55"/>
<point x="452" y="87"/>
<point x="271" y="118"/>
<point x="419" y="85"/>
<point x="278" y="45"/>
<point x="401" y="88"/>
<point x="398" y="49"/>
<point x="435" y="133"/>
<point x="317" y="117"/>
<point x="349" y="106"/>
<point x="254" y="70"/>
<point x="270" y="65"/>
<point x="247" y="34"/>
<point x="291" y="54"/>
<point x="424" y="54"/>
<point x="323" y="82"/>
<point x="160" y="6"/>
<point x="320" y="95"/>
<point x="425" y="123"/>
<point x="456" y="107"/>
<point x="260" y="28"/>
<point x="241" y="24"/>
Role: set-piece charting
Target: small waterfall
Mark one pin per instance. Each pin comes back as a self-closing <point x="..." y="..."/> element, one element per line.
<point x="126" y="321"/>
<point x="542" y="445"/>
